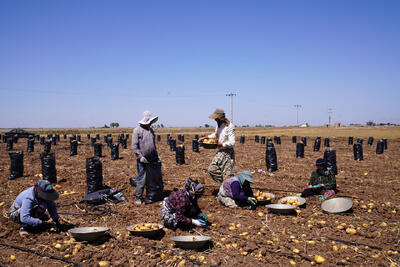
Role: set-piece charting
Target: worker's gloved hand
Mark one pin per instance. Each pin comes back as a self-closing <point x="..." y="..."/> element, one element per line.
<point x="199" y="222"/>
<point x="203" y="217"/>
<point x="144" y="160"/>
<point x="251" y="200"/>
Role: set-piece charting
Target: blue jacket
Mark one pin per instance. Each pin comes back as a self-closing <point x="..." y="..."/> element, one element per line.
<point x="27" y="201"/>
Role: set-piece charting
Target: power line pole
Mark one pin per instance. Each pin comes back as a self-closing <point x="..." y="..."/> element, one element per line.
<point x="297" y="106"/>
<point x="329" y="116"/>
<point x="231" y="95"/>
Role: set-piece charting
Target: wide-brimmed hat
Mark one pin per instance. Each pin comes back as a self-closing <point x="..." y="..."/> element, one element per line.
<point x="45" y="190"/>
<point x="218" y="114"/>
<point x="148" y="118"/>
<point x="245" y="176"/>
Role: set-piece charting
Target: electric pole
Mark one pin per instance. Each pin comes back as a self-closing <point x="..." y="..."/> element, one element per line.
<point x="297" y="106"/>
<point x="231" y="95"/>
<point x="329" y="116"/>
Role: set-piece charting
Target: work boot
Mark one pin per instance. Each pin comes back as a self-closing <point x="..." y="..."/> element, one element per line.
<point x="132" y="182"/>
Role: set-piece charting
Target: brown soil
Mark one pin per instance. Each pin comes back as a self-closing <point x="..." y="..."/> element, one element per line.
<point x="271" y="238"/>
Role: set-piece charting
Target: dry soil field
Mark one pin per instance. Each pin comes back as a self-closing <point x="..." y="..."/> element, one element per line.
<point x="258" y="238"/>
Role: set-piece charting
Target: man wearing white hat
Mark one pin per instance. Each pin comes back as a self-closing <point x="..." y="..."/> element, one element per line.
<point x="222" y="164"/>
<point x="144" y="147"/>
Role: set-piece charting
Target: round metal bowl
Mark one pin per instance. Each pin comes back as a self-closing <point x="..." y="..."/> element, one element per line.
<point x="191" y="241"/>
<point x="337" y="205"/>
<point x="265" y="201"/>
<point x="88" y="233"/>
<point x="300" y="199"/>
<point x="281" y="208"/>
<point x="146" y="233"/>
<point x="208" y="146"/>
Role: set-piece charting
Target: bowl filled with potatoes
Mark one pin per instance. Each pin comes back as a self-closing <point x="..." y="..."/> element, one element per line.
<point x="263" y="198"/>
<point x="209" y="143"/>
<point x="145" y="229"/>
<point x="292" y="200"/>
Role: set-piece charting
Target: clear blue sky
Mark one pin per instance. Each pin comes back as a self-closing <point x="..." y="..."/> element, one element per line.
<point x="86" y="63"/>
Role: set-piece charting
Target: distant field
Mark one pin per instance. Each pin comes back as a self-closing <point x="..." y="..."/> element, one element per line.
<point x="377" y="132"/>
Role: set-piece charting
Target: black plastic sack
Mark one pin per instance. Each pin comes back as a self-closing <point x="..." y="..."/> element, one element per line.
<point x="330" y="159"/>
<point x="127" y="137"/>
<point x="98" y="136"/>
<point x="54" y="140"/>
<point x="351" y="140"/>
<point x="242" y="139"/>
<point x="317" y="144"/>
<point x="263" y="138"/>
<point x="37" y="137"/>
<point x="158" y="138"/>
<point x="294" y="139"/>
<point x="358" y="151"/>
<point x="278" y="140"/>
<point x="109" y="141"/>
<point x="270" y="143"/>
<point x="92" y="141"/>
<point x="380" y="147"/>
<point x="30" y="145"/>
<point x="15" y="139"/>
<point x="65" y="136"/>
<point x="168" y="139"/>
<point x="124" y="143"/>
<point x="49" y="171"/>
<point x="106" y="139"/>
<point x="180" y="155"/>
<point x="257" y="139"/>
<point x="42" y="140"/>
<point x="370" y="141"/>
<point x="49" y="136"/>
<point x="79" y="138"/>
<point x="195" y="145"/>
<point x="300" y="150"/>
<point x="88" y="136"/>
<point x="172" y="144"/>
<point x="304" y="140"/>
<point x="114" y="151"/>
<point x="271" y="160"/>
<point x="102" y="196"/>
<point x="73" y="148"/>
<point x="10" y="144"/>
<point x="97" y="149"/>
<point x="182" y="138"/>
<point x="196" y="136"/>
<point x="47" y="147"/>
<point x="58" y="137"/>
<point x="94" y="175"/>
<point x="360" y="140"/>
<point x="17" y="165"/>
<point x="385" y="146"/>
<point x="326" y="142"/>
<point x="154" y="182"/>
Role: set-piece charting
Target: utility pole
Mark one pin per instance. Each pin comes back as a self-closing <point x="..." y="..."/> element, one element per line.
<point x="231" y="95"/>
<point x="329" y="116"/>
<point x="297" y="106"/>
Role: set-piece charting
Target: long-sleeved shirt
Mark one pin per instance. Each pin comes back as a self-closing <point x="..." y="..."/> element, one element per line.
<point x="321" y="177"/>
<point x="27" y="201"/>
<point x="180" y="203"/>
<point x="144" y="144"/>
<point x="225" y="134"/>
<point x="235" y="191"/>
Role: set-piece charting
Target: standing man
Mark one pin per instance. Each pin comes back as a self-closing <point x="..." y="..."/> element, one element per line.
<point x="144" y="147"/>
<point x="221" y="166"/>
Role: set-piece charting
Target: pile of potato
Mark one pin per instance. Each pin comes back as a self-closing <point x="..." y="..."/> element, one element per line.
<point x="262" y="195"/>
<point x="146" y="226"/>
<point x="291" y="201"/>
<point x="210" y="141"/>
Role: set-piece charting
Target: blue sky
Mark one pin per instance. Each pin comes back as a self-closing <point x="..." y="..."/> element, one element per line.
<point x="86" y="63"/>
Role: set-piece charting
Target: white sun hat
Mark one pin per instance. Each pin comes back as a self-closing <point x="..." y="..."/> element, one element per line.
<point x="148" y="118"/>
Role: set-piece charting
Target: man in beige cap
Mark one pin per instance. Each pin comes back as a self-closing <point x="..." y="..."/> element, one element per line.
<point x="221" y="166"/>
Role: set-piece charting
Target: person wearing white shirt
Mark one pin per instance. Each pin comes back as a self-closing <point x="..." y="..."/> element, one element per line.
<point x="222" y="165"/>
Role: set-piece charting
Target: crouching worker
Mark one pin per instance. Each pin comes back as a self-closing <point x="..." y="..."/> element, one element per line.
<point x="236" y="191"/>
<point x="180" y="209"/>
<point x="29" y="208"/>
<point x="322" y="181"/>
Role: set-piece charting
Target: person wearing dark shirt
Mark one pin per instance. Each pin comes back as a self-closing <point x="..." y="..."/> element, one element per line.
<point x="322" y="181"/>
<point x="236" y="191"/>
<point x="181" y="208"/>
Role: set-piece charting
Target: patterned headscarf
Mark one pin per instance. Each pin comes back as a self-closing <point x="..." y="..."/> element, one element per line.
<point x="245" y="176"/>
<point x="194" y="188"/>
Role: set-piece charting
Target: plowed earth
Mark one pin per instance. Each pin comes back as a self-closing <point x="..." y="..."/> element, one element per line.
<point x="259" y="238"/>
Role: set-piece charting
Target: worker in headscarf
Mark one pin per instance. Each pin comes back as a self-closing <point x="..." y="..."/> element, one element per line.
<point x="222" y="165"/>
<point x="30" y="206"/>
<point x="322" y="181"/>
<point x="180" y="209"/>
<point x="236" y="191"/>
